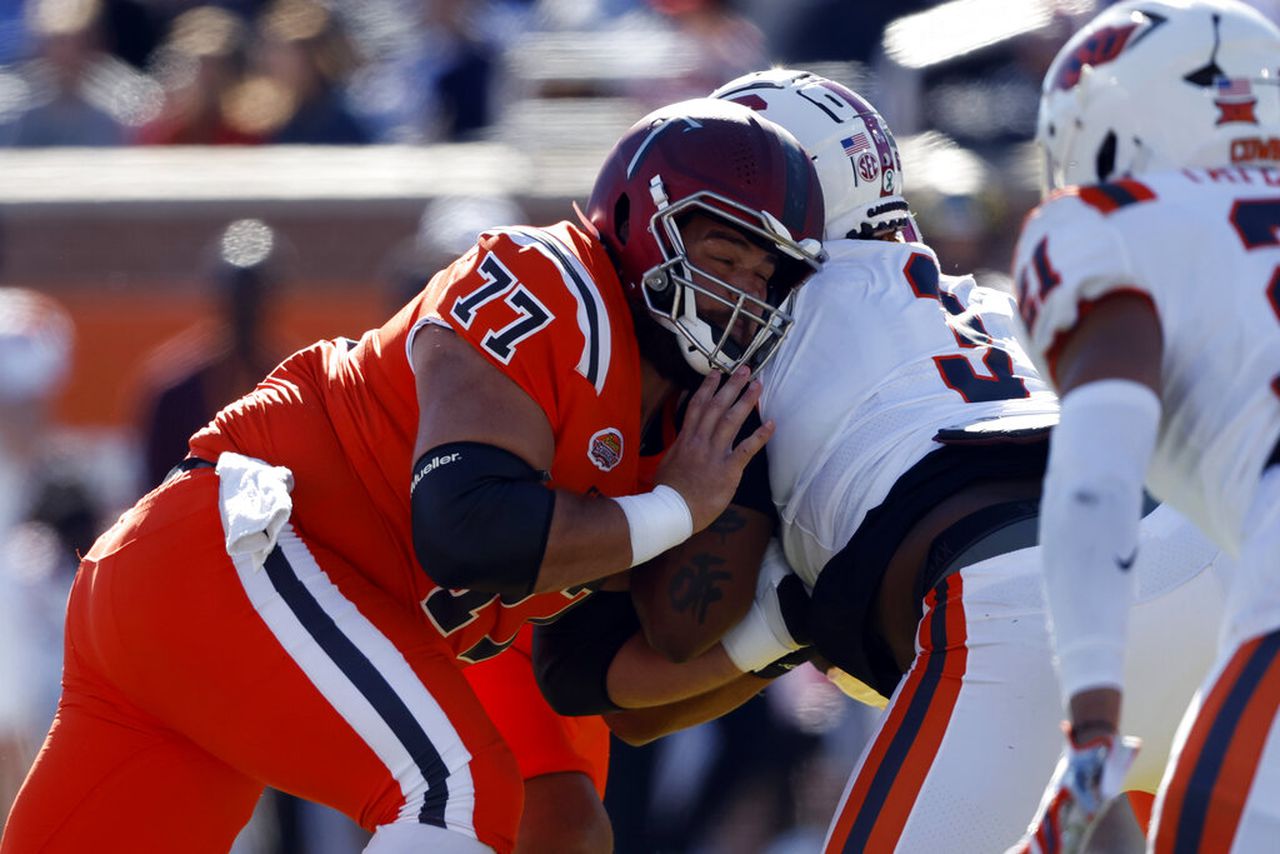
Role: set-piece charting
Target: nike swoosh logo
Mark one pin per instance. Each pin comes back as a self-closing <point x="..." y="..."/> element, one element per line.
<point x="1125" y="564"/>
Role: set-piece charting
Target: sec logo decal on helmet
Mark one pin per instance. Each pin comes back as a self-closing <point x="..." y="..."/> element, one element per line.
<point x="837" y="126"/>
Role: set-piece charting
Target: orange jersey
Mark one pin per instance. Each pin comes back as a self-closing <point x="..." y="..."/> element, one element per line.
<point x="545" y="307"/>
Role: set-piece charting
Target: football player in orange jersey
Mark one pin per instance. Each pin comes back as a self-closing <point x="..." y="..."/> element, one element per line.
<point x="295" y="605"/>
<point x="564" y="761"/>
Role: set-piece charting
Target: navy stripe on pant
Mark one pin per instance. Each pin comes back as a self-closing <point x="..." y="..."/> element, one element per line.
<point x="905" y="737"/>
<point x="368" y="681"/>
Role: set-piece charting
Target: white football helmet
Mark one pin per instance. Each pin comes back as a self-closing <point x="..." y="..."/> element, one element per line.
<point x="1150" y="85"/>
<point x="852" y="149"/>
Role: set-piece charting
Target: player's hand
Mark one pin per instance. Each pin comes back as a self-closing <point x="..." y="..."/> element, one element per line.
<point x="703" y="464"/>
<point x="1087" y="778"/>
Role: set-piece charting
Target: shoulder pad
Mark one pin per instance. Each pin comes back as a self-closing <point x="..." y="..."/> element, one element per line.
<point x="1068" y="250"/>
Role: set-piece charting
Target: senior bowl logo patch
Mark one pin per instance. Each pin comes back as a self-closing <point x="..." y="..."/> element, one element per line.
<point x="605" y="448"/>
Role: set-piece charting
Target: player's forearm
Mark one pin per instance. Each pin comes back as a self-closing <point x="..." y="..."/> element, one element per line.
<point x="640" y="726"/>
<point x="588" y="539"/>
<point x="639" y="677"/>
<point x="1089" y="526"/>
<point x="689" y="596"/>
<point x="592" y="537"/>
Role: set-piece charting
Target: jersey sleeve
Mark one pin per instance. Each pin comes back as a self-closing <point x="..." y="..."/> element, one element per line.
<point x="1069" y="255"/>
<point x="514" y="297"/>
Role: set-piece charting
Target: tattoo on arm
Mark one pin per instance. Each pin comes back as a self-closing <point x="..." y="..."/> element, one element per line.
<point x="728" y="522"/>
<point x="694" y="588"/>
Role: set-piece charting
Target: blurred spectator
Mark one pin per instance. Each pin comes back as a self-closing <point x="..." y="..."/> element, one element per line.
<point x="969" y="232"/>
<point x="962" y="208"/>
<point x="449" y="226"/>
<point x="564" y="15"/>
<point x="201" y="64"/>
<point x="14" y="38"/>
<point x="805" y="31"/>
<point x="59" y="110"/>
<point x="463" y="79"/>
<point x="717" y="42"/>
<point x="132" y="30"/>
<point x="306" y="54"/>
<point x="439" y="84"/>
<point x="192" y="376"/>
<point x="982" y="88"/>
<point x="46" y="515"/>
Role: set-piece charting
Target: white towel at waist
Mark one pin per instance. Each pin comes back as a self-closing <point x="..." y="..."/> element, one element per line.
<point x="253" y="497"/>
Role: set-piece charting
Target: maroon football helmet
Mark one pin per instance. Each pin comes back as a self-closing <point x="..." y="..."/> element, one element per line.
<point x="728" y="161"/>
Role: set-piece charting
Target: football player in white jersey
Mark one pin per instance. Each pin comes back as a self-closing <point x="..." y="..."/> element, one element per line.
<point x="907" y="468"/>
<point x="1149" y="281"/>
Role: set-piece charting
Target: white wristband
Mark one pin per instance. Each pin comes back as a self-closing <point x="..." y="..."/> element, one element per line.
<point x="761" y="637"/>
<point x="658" y="520"/>
<point x="751" y="644"/>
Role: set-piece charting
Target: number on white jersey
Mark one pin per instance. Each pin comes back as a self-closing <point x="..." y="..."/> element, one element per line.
<point x="998" y="382"/>
<point x="1257" y="221"/>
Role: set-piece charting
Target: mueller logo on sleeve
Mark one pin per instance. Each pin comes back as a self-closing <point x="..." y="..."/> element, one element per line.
<point x="432" y="465"/>
<point x="605" y="448"/>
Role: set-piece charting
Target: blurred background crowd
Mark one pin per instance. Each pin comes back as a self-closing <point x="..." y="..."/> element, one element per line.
<point x="189" y="191"/>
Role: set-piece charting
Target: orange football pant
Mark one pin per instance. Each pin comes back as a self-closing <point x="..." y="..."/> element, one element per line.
<point x="191" y="681"/>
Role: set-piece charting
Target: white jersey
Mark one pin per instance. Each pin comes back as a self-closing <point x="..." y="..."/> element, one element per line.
<point x="884" y="352"/>
<point x="1204" y="246"/>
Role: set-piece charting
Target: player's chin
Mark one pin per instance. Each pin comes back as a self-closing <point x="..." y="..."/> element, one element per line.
<point x="744" y="332"/>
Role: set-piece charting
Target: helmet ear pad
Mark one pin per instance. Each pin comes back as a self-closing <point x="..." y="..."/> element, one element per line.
<point x="622" y="219"/>
<point x="664" y="350"/>
<point x="1105" y="162"/>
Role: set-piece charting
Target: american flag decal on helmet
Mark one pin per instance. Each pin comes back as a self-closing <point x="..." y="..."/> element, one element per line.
<point x="1235" y="101"/>
<point x="1237" y="87"/>
<point x="854" y="144"/>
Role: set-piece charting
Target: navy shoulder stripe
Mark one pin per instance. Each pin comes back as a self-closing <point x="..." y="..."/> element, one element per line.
<point x="592" y="315"/>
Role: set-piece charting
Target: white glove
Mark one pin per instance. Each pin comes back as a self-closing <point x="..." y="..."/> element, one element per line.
<point x="767" y="632"/>
<point x="1087" y="778"/>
